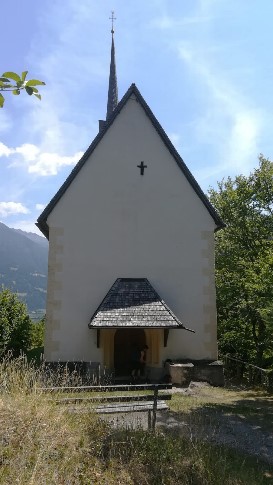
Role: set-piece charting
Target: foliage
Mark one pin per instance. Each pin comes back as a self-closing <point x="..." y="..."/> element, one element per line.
<point x="11" y="81"/>
<point x="244" y="264"/>
<point x="37" y="333"/>
<point x="15" y="324"/>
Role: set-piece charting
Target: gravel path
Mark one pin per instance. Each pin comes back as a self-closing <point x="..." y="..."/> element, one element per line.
<point x="221" y="428"/>
<point x="232" y="431"/>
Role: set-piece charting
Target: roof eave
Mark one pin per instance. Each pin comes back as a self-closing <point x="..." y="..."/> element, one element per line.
<point x="150" y="327"/>
<point x="220" y="226"/>
<point x="42" y="225"/>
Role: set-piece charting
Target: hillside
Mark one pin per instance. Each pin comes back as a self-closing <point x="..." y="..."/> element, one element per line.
<point x="23" y="266"/>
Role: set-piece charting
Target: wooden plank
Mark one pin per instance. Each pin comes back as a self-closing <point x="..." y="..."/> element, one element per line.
<point x="110" y="388"/>
<point x="131" y="407"/>
<point x="126" y="398"/>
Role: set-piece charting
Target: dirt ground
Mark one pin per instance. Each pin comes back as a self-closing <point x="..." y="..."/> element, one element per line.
<point x="238" y="418"/>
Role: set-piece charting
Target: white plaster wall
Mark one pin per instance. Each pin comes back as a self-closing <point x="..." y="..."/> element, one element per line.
<point x="117" y="223"/>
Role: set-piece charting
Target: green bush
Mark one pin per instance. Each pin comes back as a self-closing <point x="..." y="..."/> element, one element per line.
<point x="15" y="324"/>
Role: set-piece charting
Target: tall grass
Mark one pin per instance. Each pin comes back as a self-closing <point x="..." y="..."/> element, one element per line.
<point x="41" y="443"/>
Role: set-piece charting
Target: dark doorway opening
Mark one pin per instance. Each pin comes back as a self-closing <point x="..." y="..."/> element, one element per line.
<point x="125" y="339"/>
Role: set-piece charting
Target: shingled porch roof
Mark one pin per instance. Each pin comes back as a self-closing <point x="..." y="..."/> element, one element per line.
<point x="133" y="302"/>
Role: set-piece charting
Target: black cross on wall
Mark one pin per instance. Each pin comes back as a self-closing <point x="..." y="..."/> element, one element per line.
<point x="142" y="167"/>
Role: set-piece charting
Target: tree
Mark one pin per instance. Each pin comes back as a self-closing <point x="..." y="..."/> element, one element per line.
<point x="37" y="333"/>
<point x="10" y="81"/>
<point x="244" y="264"/>
<point x="15" y="324"/>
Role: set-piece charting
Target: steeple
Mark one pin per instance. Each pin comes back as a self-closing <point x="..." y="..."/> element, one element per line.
<point x="113" y="86"/>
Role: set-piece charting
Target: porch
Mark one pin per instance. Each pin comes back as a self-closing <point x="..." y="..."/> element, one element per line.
<point x="132" y="315"/>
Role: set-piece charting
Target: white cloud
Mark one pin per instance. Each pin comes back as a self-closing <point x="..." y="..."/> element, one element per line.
<point x="36" y="161"/>
<point x="28" y="151"/>
<point x="40" y="207"/>
<point x="229" y="120"/>
<point x="26" y="225"/>
<point x="243" y="138"/>
<point x="175" y="138"/>
<point x="4" y="150"/>
<point x="12" y="208"/>
<point x="203" y="12"/>
<point x="166" y="22"/>
<point x="51" y="163"/>
<point x="163" y="23"/>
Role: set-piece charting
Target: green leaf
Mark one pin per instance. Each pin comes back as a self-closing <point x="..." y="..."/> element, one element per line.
<point x="4" y="79"/>
<point x="38" y="96"/>
<point x="5" y="85"/>
<point x="24" y="75"/>
<point x="16" y="92"/>
<point x="12" y="75"/>
<point x="29" y="90"/>
<point x="2" y="100"/>
<point x="34" y="82"/>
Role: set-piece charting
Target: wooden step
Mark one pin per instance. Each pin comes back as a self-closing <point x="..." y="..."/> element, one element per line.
<point x="131" y="407"/>
<point x="124" y="398"/>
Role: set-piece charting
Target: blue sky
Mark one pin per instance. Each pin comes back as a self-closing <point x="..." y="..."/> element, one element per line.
<point x="204" y="67"/>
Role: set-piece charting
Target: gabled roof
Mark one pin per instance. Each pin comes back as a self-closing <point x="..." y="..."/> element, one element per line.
<point x="133" y="302"/>
<point x="41" y="222"/>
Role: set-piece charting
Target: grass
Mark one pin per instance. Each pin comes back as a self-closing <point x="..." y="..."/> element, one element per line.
<point x="41" y="443"/>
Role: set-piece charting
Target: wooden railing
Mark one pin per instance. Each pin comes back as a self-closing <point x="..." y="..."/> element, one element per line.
<point x="245" y="372"/>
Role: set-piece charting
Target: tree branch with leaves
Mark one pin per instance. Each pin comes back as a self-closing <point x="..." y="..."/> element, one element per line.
<point x="12" y="82"/>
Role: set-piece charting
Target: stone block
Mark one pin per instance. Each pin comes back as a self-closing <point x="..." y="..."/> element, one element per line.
<point x="181" y="374"/>
<point x="211" y="372"/>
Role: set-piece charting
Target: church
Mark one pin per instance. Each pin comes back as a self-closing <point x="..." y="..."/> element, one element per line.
<point x="131" y="249"/>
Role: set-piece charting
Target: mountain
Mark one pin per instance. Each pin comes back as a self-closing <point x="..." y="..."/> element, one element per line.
<point x="33" y="237"/>
<point x="23" y="266"/>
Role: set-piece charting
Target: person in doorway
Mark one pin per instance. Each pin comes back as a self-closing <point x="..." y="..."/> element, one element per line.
<point x="135" y="362"/>
<point x="142" y="360"/>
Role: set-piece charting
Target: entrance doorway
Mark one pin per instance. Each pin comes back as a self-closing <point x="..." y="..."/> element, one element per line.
<point x="124" y="340"/>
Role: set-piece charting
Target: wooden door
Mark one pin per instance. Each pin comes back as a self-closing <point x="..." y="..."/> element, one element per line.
<point x="125" y="340"/>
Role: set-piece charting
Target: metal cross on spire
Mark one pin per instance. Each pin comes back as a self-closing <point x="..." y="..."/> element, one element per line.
<point x="112" y="18"/>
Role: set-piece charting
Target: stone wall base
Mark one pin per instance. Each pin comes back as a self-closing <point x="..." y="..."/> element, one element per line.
<point x="183" y="373"/>
<point x="179" y="373"/>
<point x="77" y="373"/>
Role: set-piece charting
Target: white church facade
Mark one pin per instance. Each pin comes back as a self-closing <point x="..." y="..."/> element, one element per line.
<point x="131" y="249"/>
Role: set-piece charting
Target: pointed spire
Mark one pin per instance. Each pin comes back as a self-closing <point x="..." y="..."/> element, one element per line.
<point x="113" y="86"/>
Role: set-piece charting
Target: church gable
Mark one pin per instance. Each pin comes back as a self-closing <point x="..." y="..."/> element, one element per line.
<point x="129" y="126"/>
